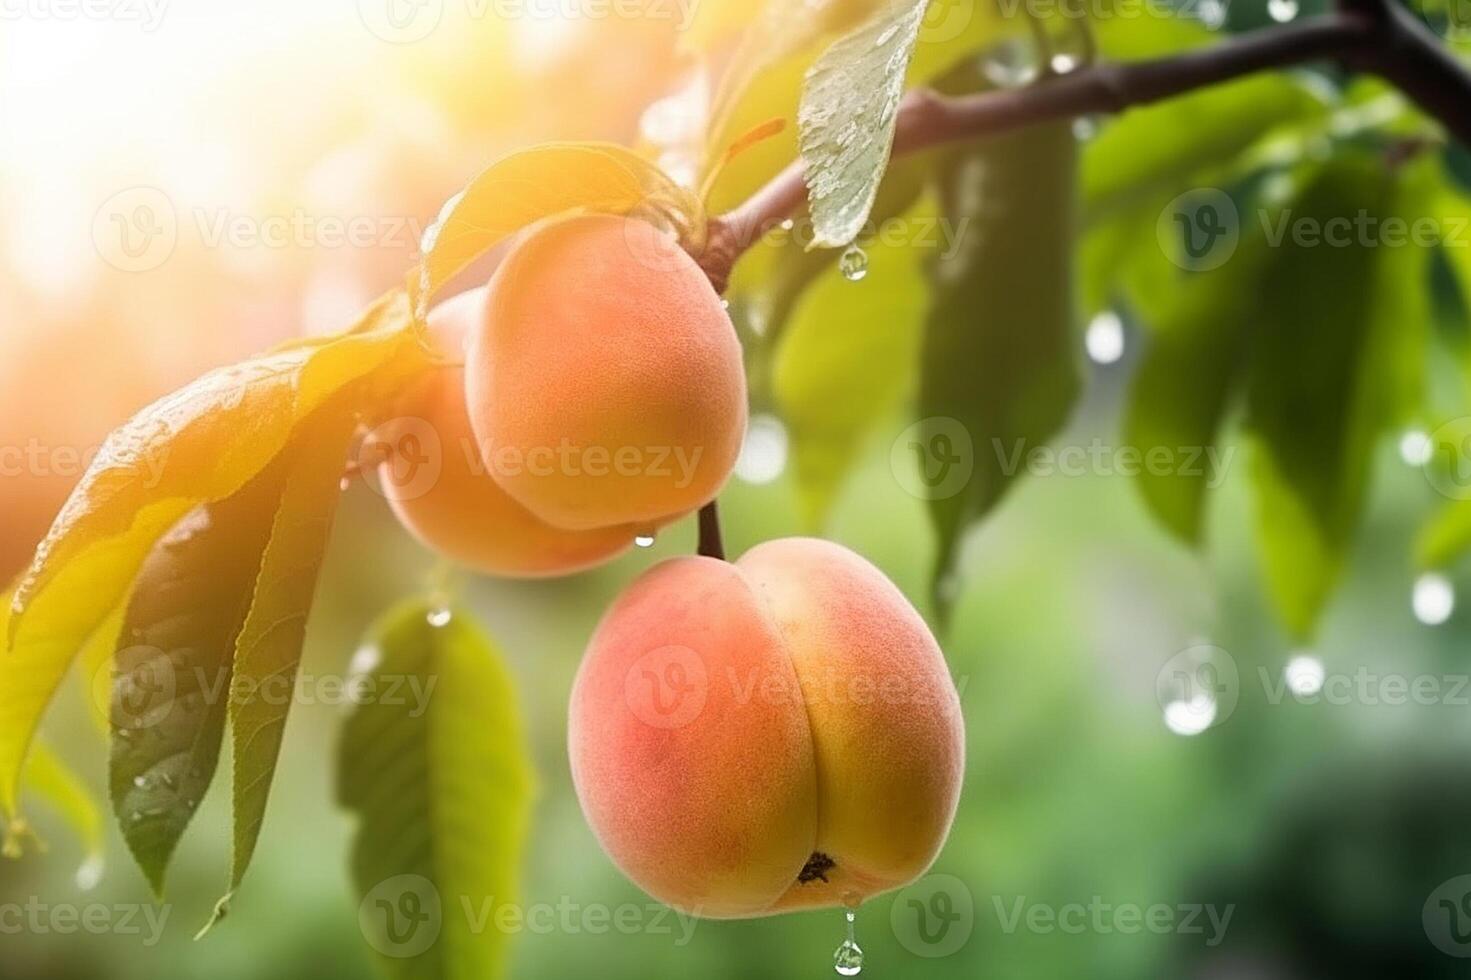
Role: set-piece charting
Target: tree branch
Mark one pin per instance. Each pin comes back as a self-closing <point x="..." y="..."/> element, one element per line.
<point x="1376" y="36"/>
<point x="711" y="545"/>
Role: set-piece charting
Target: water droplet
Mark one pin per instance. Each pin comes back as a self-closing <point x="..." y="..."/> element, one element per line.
<point x="345" y="484"/>
<point x="644" y="540"/>
<point x="763" y="455"/>
<point x="788" y="224"/>
<point x="1191" y="716"/>
<point x="141" y="782"/>
<point x="90" y="873"/>
<point x="1282" y="11"/>
<point x="1415" y="447"/>
<point x="1063" y="63"/>
<point x="725" y="304"/>
<point x="1212" y="13"/>
<point x="1304" y="674"/>
<point x="439" y="616"/>
<point x="1105" y="338"/>
<point x="854" y="263"/>
<point x="848" y="958"/>
<point x="1085" y="128"/>
<point x="1434" y="599"/>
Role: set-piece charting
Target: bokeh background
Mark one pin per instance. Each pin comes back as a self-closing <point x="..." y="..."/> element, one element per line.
<point x="1325" y="827"/>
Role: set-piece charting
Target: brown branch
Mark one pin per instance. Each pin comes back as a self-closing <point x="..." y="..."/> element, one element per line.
<point x="1375" y="36"/>
<point x="711" y="545"/>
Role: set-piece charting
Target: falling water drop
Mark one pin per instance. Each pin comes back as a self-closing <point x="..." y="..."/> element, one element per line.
<point x="854" y="263"/>
<point x="1282" y="11"/>
<point x="848" y="958"/>
<point x="90" y="873"/>
<point x="644" y="540"/>
<point x="344" y="484"/>
<point x="439" y="616"/>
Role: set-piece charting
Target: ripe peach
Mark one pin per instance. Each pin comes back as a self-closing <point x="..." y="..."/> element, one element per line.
<point x="606" y="385"/>
<point x="773" y="734"/>
<point x="438" y="487"/>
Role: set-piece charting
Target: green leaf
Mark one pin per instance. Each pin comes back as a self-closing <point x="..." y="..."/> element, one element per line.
<point x="846" y="359"/>
<point x="197" y="445"/>
<point x="268" y="649"/>
<point x="998" y="363"/>
<point x="48" y="778"/>
<point x="1340" y="335"/>
<point x="846" y="119"/>
<point x="1182" y="390"/>
<point x="537" y="183"/>
<point x="174" y="665"/>
<point x="441" y="783"/>
<point x="1445" y="537"/>
<point x="1184" y="141"/>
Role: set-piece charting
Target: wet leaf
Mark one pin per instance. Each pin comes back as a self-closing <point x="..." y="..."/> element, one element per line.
<point x="268" y="649"/>
<point x="200" y="444"/>
<point x="846" y="119"/>
<point x="174" y="666"/>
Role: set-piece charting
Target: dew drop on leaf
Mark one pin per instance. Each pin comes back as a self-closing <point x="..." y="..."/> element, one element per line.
<point x="644" y="540"/>
<point x="439" y="616"/>
<point x="853" y="264"/>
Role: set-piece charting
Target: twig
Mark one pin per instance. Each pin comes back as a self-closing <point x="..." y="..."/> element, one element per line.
<point x="711" y="545"/>
<point x="1376" y="36"/>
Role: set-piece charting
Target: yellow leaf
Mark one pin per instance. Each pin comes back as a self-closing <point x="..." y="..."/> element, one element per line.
<point x="537" y="183"/>
<point x="195" y="446"/>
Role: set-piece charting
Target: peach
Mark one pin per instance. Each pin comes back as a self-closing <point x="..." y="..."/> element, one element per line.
<point x="606" y="386"/>
<point x="774" y="734"/>
<point x="437" y="485"/>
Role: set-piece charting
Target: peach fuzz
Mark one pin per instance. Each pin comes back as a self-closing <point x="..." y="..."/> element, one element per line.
<point x="774" y="734"/>
<point x="609" y="366"/>
<point x="462" y="513"/>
